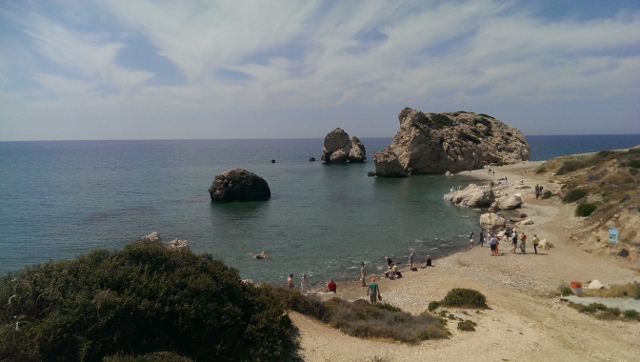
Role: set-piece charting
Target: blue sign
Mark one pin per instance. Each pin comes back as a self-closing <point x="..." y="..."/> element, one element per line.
<point x="613" y="235"/>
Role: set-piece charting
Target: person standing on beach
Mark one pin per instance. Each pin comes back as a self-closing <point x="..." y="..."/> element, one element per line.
<point x="290" y="281"/>
<point x="481" y="240"/>
<point x="363" y="273"/>
<point x="523" y="242"/>
<point x="493" y="243"/>
<point x="536" y="241"/>
<point x="332" y="286"/>
<point x="471" y="240"/>
<point x="411" y="256"/>
<point x="373" y="292"/>
<point x="514" y="241"/>
<point x="303" y="283"/>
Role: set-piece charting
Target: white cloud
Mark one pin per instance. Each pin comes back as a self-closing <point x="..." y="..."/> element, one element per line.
<point x="319" y="54"/>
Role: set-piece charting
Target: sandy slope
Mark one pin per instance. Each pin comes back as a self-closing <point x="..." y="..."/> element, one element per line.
<point x="525" y="322"/>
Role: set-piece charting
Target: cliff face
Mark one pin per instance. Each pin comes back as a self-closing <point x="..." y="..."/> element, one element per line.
<point x="435" y="143"/>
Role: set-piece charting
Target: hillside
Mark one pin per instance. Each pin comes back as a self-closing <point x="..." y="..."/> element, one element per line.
<point x="605" y="187"/>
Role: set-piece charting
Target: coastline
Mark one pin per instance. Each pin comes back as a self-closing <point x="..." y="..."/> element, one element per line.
<point x="526" y="321"/>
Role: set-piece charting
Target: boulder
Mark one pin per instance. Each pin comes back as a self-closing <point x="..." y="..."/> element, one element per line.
<point x="472" y="196"/>
<point x="178" y="244"/>
<point x="595" y="284"/>
<point x="153" y="238"/>
<point x="239" y="185"/>
<point x="339" y="148"/>
<point x="357" y="153"/>
<point x="508" y="202"/>
<point x="435" y="143"/>
<point x="524" y="223"/>
<point x="492" y="222"/>
<point x="386" y="164"/>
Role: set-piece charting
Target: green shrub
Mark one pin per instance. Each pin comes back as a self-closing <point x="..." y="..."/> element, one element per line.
<point x="585" y="209"/>
<point x="467" y="326"/>
<point x="381" y="320"/>
<point x="574" y="195"/>
<point x="565" y="290"/>
<point x="433" y="305"/>
<point x="540" y="170"/>
<point x="137" y="301"/>
<point x="631" y="314"/>
<point x="547" y="194"/>
<point x="461" y="297"/>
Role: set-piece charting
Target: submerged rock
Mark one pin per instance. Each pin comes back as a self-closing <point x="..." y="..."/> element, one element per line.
<point x="239" y="185"/>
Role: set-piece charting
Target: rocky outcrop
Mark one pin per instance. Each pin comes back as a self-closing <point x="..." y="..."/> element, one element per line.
<point x="339" y="148"/>
<point x="472" y="196"/>
<point x="507" y="202"/>
<point x="386" y="164"/>
<point x="239" y="185"/>
<point x="155" y="239"/>
<point x="492" y="222"/>
<point x="435" y="143"/>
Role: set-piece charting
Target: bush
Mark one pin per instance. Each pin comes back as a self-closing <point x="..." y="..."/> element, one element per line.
<point x="137" y="301"/>
<point x="467" y="326"/>
<point x="433" y="306"/>
<point x="585" y="209"/>
<point x="547" y="194"/>
<point x="565" y="290"/>
<point x="461" y="297"/>
<point x="574" y="195"/>
<point x="381" y="320"/>
<point x="631" y="314"/>
<point x="540" y="170"/>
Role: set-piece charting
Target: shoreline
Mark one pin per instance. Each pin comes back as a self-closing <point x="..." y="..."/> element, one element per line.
<point x="526" y="320"/>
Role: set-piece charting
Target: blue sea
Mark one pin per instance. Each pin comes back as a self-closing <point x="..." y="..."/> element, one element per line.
<point x="60" y="199"/>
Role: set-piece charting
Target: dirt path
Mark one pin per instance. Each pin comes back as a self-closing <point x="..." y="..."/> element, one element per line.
<point x="525" y="322"/>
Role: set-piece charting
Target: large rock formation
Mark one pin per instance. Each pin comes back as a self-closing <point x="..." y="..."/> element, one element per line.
<point x="339" y="148"/>
<point x="472" y="196"/>
<point x="435" y="143"/>
<point x="239" y="185"/>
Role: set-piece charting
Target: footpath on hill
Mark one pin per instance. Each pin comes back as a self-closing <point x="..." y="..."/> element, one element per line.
<point x="526" y="320"/>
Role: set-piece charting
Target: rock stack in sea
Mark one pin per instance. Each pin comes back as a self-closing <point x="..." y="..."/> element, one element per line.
<point x="435" y="143"/>
<point x="339" y="148"/>
<point x="239" y="185"/>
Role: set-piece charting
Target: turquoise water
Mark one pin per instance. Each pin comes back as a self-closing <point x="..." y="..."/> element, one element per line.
<point x="62" y="199"/>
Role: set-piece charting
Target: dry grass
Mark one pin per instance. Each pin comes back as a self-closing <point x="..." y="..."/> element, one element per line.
<point x="630" y="290"/>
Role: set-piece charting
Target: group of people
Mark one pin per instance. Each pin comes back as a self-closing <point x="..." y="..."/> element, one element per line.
<point x="509" y="235"/>
<point x="373" y="291"/>
<point x="538" y="189"/>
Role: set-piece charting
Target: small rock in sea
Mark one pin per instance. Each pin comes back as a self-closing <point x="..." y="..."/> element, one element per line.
<point x="273" y="161"/>
<point x="312" y="159"/>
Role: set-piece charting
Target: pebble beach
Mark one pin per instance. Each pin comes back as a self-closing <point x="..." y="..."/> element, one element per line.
<point x="526" y="320"/>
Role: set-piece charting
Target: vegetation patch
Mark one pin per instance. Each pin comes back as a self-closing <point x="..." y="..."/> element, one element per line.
<point x="574" y="195"/>
<point x="585" y="209"/>
<point x="601" y="311"/>
<point x="138" y="301"/>
<point x="629" y="290"/>
<point x="440" y="120"/>
<point x="467" y="326"/>
<point x="381" y="320"/>
<point x="466" y="298"/>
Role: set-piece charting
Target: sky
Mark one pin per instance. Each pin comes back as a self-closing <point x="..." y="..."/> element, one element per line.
<point x="101" y="70"/>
